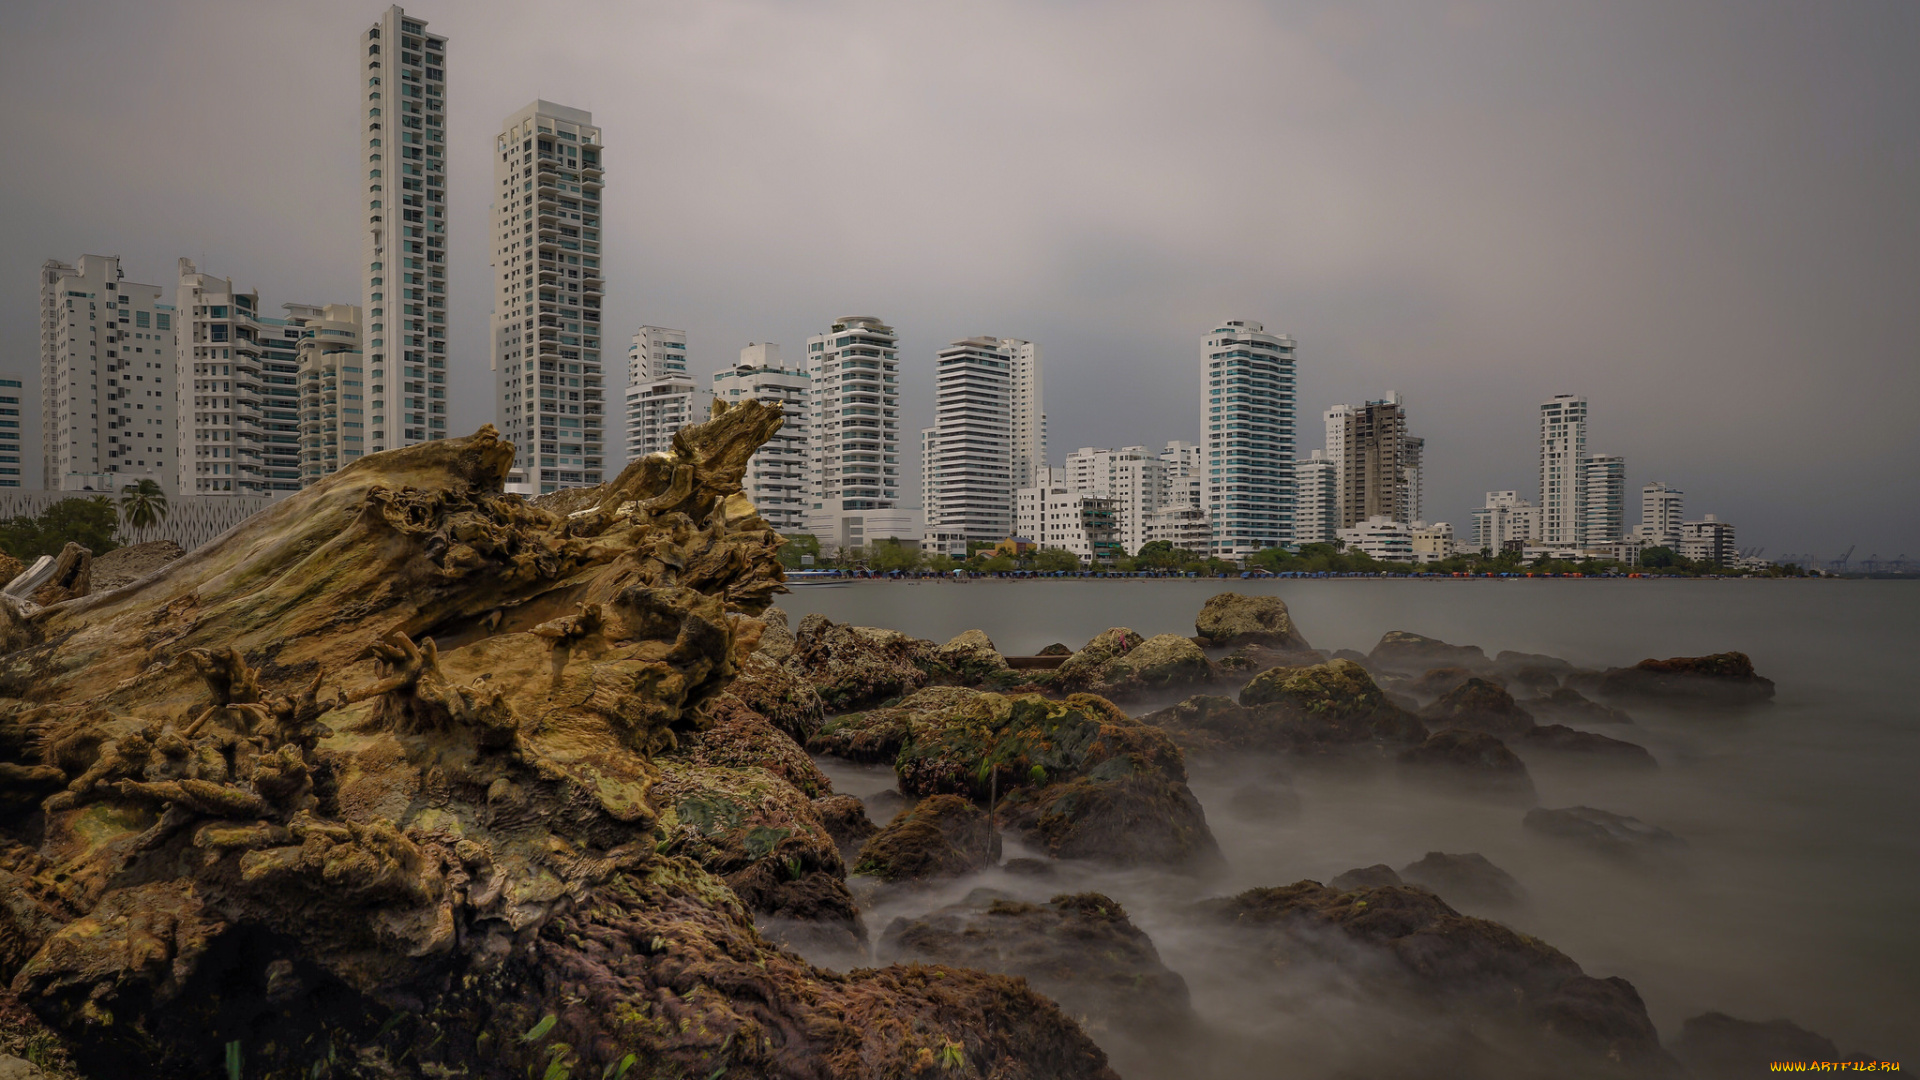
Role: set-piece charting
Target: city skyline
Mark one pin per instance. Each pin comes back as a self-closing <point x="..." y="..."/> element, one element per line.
<point x="1127" y="300"/>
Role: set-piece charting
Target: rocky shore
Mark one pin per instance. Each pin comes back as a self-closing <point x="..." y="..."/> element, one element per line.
<point x="410" y="778"/>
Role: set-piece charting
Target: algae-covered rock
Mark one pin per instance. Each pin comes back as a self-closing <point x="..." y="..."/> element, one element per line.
<point x="1249" y="660"/>
<point x="736" y="737"/>
<point x="1324" y="708"/>
<point x="876" y="736"/>
<point x="1478" y="705"/>
<point x="1209" y="723"/>
<point x="1376" y="876"/>
<point x="845" y="819"/>
<point x="1724" y="680"/>
<point x="1519" y="994"/>
<point x="1399" y="650"/>
<point x="788" y="701"/>
<point x="1120" y="664"/>
<point x="855" y="666"/>
<point x="940" y="837"/>
<point x="1232" y="619"/>
<point x="396" y="751"/>
<point x="972" y="656"/>
<point x="1079" y="949"/>
<point x="1438" y="681"/>
<point x="776" y="641"/>
<point x="1470" y="760"/>
<point x="1077" y="777"/>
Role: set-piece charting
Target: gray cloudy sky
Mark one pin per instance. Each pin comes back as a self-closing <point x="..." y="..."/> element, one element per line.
<point x="1703" y="215"/>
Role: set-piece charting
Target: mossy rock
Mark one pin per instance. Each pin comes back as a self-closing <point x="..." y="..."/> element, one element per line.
<point x="1232" y="619"/>
<point x="1119" y="663"/>
<point x="988" y="746"/>
<point x="1116" y="816"/>
<point x="1479" y="705"/>
<point x="940" y="837"/>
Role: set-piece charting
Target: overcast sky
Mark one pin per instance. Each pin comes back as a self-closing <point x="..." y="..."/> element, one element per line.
<point x="1705" y="216"/>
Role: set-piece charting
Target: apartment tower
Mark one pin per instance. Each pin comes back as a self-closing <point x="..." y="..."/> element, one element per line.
<point x="854" y="385"/>
<point x="1316" y="499"/>
<point x="333" y="390"/>
<point x="549" y="382"/>
<point x="987" y="430"/>
<point x="11" y="418"/>
<point x="660" y="394"/>
<point x="107" y="392"/>
<point x="1660" y="512"/>
<point x="1376" y="465"/>
<point x="404" y="248"/>
<point x="1605" y="517"/>
<point x="777" y="473"/>
<point x="1563" y="477"/>
<point x="1247" y="424"/>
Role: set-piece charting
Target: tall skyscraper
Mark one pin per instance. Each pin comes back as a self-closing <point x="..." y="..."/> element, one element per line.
<point x="333" y="390"/>
<point x="1184" y="483"/>
<point x="1247" y="424"/>
<point x="107" y="379"/>
<point x="777" y="473"/>
<point x="1377" y="467"/>
<point x="660" y="394"/>
<point x="854" y="381"/>
<point x="404" y="248"/>
<point x="1316" y="499"/>
<point x="1606" y="500"/>
<point x="12" y="416"/>
<point x="1563" y="478"/>
<point x="549" y="380"/>
<point x="1027" y="410"/>
<point x="988" y="429"/>
<point x="1413" y="479"/>
<point x="1660" y="513"/>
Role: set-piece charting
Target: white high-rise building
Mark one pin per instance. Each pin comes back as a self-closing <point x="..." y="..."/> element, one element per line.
<point x="549" y="377"/>
<point x="333" y="390"/>
<point x="237" y="373"/>
<point x="1413" y="479"/>
<point x="1606" y="500"/>
<point x="1708" y="540"/>
<point x="1026" y="410"/>
<point x="854" y="384"/>
<point x="107" y="379"/>
<point x="1316" y="499"/>
<point x="988" y="429"/>
<point x="1052" y="514"/>
<point x="1660" y="511"/>
<point x="1132" y="478"/>
<point x="404" y="247"/>
<point x="777" y="473"/>
<point x="1247" y="427"/>
<point x="1185" y="478"/>
<point x="1563" y="477"/>
<point x="1506" y="520"/>
<point x="660" y="397"/>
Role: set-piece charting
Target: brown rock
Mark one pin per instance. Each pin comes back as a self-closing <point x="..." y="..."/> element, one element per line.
<point x="1472" y="760"/>
<point x="1399" y="650"/>
<point x="1478" y="705"/>
<point x="1560" y="739"/>
<point x="1231" y="619"/>
<point x="856" y="666"/>
<point x="1723" y="680"/>
<point x="940" y="837"/>
<point x="124" y="565"/>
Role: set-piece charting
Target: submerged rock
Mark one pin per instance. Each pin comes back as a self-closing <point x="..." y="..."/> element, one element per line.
<point x="1325" y="706"/>
<point x="1568" y="705"/>
<point x="1399" y="650"/>
<point x="1438" y="681"/>
<point x="1470" y="760"/>
<point x="1250" y="660"/>
<point x="940" y="837"/>
<point x="1231" y="619"/>
<point x="788" y="701"/>
<point x="1407" y="942"/>
<point x="1601" y="830"/>
<point x="1723" y="680"/>
<point x="1478" y="705"/>
<point x="396" y="748"/>
<point x="1464" y="879"/>
<point x="1560" y="739"/>
<point x="1379" y="875"/>
<point x="845" y="819"/>
<point x="1715" y="1046"/>
<point x="1081" y="950"/>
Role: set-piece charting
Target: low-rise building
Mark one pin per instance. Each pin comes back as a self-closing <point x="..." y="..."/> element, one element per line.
<point x="1381" y="537"/>
<point x="1432" y="543"/>
<point x="1506" y="521"/>
<point x="1708" y="540"/>
<point x="1054" y="515"/>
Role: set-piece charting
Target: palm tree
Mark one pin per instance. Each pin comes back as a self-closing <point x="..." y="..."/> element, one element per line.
<point x="143" y="504"/>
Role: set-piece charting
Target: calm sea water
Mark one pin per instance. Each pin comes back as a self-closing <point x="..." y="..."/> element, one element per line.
<point x="1798" y="898"/>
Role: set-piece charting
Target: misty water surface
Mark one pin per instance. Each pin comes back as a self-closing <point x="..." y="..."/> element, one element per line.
<point x="1797" y="896"/>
